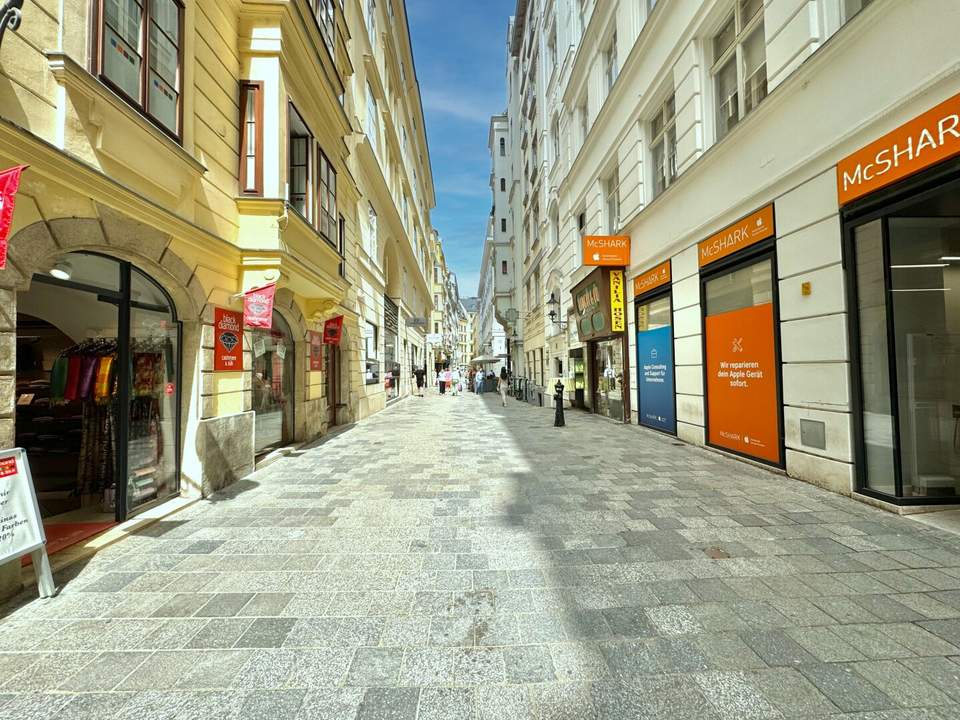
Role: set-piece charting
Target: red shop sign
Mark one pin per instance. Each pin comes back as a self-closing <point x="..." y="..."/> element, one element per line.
<point x="316" y="351"/>
<point x="258" y="307"/>
<point x="8" y="467"/>
<point x="9" y="184"/>
<point x="333" y="330"/>
<point x="227" y="340"/>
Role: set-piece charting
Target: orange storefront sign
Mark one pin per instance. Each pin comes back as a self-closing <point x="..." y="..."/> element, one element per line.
<point x="742" y="404"/>
<point x="752" y="229"/>
<point x="652" y="279"/>
<point x="606" y="250"/>
<point x="922" y="142"/>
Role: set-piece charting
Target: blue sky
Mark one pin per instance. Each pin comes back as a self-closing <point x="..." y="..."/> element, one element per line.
<point x="459" y="50"/>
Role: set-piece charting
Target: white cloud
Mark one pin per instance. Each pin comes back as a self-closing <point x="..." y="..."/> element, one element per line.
<point x="463" y="106"/>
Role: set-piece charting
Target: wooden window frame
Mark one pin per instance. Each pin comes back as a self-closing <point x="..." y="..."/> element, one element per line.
<point x="254" y="189"/>
<point x="141" y="103"/>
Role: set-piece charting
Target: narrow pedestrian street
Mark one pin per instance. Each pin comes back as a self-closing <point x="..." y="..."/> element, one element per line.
<point x="451" y="559"/>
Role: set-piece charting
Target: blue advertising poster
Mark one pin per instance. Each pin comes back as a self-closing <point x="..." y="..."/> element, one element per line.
<point x="655" y="369"/>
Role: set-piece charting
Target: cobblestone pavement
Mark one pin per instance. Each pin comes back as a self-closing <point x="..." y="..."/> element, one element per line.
<point x="448" y="559"/>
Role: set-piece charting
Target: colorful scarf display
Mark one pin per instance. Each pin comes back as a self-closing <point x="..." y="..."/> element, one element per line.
<point x="102" y="388"/>
<point x="72" y="388"/>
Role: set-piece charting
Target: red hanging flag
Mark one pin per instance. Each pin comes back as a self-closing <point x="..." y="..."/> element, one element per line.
<point x="9" y="184"/>
<point x="258" y="307"/>
<point x="333" y="330"/>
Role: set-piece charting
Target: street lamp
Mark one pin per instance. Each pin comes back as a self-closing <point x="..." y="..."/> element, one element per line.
<point x="10" y="16"/>
<point x="553" y="303"/>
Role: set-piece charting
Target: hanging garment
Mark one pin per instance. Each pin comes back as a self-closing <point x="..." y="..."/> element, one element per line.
<point x="104" y="385"/>
<point x="58" y="378"/>
<point x="88" y="371"/>
<point x="96" y="466"/>
<point x="146" y="374"/>
<point x="72" y="388"/>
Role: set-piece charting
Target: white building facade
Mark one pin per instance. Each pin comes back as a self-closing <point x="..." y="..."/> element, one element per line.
<point x="784" y="171"/>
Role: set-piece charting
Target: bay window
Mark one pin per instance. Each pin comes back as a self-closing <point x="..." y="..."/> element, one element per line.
<point x="327" y="204"/>
<point x="740" y="65"/>
<point x="299" y="179"/>
<point x="311" y="179"/>
<point x="251" y="138"/>
<point x="140" y="56"/>
<point x="324" y="12"/>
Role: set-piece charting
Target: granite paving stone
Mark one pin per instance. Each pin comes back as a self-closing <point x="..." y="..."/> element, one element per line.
<point x="394" y="572"/>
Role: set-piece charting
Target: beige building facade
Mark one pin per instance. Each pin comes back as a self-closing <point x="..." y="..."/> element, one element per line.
<point x="245" y="144"/>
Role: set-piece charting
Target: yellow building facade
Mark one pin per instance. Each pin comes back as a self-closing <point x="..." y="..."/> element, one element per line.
<point x="181" y="154"/>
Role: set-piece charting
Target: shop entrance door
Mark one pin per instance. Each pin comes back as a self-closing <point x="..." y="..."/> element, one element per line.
<point x="742" y="360"/>
<point x="97" y="400"/>
<point x="273" y="385"/>
<point x="656" y="396"/>
<point x="332" y="366"/>
<point x="609" y="376"/>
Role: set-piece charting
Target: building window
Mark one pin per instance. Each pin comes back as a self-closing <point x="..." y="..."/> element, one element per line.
<point x="503" y="184"/>
<point x="503" y="267"/>
<point x="611" y="70"/>
<point x="503" y="147"/>
<point x="371" y="239"/>
<point x="140" y="56"/>
<point x="299" y="179"/>
<point x="740" y="65"/>
<point x="584" y="121"/>
<point x="341" y="237"/>
<point x="371" y="363"/>
<point x="372" y="22"/>
<point x="324" y="12"/>
<point x="503" y="224"/>
<point x="436" y="328"/>
<point x="555" y="226"/>
<point x="852" y="7"/>
<point x="555" y="139"/>
<point x="373" y="121"/>
<point x="436" y="300"/>
<point x="663" y="145"/>
<point x="582" y="224"/>
<point x="251" y="138"/>
<point x="612" y="189"/>
<point x="328" y="199"/>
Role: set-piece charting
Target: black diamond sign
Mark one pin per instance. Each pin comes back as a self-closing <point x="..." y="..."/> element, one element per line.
<point x="229" y="340"/>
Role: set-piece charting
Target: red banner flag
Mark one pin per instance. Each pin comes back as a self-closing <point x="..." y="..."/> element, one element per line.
<point x="227" y="341"/>
<point x="333" y="330"/>
<point x="9" y="184"/>
<point x="258" y="307"/>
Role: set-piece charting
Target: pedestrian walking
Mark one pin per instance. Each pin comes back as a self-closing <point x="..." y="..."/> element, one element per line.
<point x="421" y="380"/>
<point x="503" y="386"/>
<point x="441" y="383"/>
<point x="478" y="383"/>
<point x="448" y="379"/>
<point x="455" y="381"/>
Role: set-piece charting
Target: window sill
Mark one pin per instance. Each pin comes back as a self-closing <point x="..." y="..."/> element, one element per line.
<point x="101" y="107"/>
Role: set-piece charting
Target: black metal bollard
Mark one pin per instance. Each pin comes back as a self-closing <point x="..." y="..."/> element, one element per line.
<point x="558" y="420"/>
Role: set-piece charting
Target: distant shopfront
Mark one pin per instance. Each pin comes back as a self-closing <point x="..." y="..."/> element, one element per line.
<point x="600" y="312"/>
<point x="653" y="310"/>
<point x="901" y="212"/>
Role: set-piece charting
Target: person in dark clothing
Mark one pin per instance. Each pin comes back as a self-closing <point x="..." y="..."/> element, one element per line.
<point x="420" y="380"/>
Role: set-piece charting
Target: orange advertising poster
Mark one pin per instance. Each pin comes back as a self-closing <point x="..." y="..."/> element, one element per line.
<point x="754" y="228"/>
<point x="920" y="143"/>
<point x="742" y="405"/>
<point x="606" y="250"/>
<point x="651" y="279"/>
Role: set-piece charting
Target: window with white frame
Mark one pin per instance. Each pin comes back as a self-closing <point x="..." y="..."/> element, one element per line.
<point x="555" y="138"/>
<point x="371" y="236"/>
<point x="612" y="191"/>
<point x="611" y="70"/>
<point x="582" y="16"/>
<point x="373" y="121"/>
<point x="663" y="145"/>
<point x="852" y="7"/>
<point x="372" y="21"/>
<point x="740" y="65"/>
<point x="555" y="226"/>
<point x="584" y="121"/>
<point x="503" y="147"/>
<point x="582" y="223"/>
<point x="324" y="11"/>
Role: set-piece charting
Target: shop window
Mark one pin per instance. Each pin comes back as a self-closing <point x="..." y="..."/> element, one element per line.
<point x="140" y="56"/>
<point x="370" y="358"/>
<point x="740" y="65"/>
<point x="663" y="145"/>
<point x="744" y="287"/>
<point x="324" y="11"/>
<point x="299" y="179"/>
<point x="327" y="190"/>
<point x="251" y="138"/>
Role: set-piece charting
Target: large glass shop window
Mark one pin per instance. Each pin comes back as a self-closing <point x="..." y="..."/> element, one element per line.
<point x="743" y="412"/>
<point x="657" y="405"/>
<point x="273" y="385"/>
<point x="391" y="351"/>
<point x="609" y="378"/>
<point x="908" y="297"/>
<point x="97" y="389"/>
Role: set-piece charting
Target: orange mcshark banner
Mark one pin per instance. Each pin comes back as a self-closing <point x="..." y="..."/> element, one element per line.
<point x="742" y="405"/>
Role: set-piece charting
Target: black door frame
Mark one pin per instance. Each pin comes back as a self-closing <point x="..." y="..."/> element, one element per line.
<point x="122" y="300"/>
<point x="766" y="250"/>
<point x="879" y="206"/>
<point x="645" y="299"/>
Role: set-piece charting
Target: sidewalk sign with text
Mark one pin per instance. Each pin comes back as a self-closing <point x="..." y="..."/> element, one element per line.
<point x="21" y="527"/>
